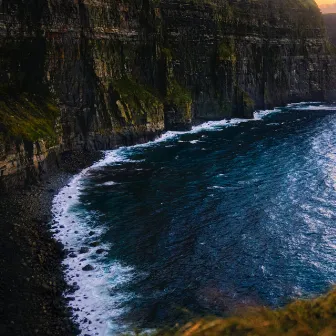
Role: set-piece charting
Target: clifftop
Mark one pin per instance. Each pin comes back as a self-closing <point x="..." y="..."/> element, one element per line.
<point x="302" y="317"/>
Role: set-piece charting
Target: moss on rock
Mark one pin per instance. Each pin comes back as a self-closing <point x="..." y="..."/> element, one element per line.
<point x="137" y="102"/>
<point x="248" y="101"/>
<point x="226" y="50"/>
<point x="179" y="97"/>
<point x="28" y="117"/>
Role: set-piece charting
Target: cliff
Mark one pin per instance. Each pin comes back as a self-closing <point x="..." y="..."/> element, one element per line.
<point x="95" y="74"/>
<point x="330" y="22"/>
<point x="304" y="317"/>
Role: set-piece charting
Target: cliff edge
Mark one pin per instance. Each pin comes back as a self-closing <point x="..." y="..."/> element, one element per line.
<point x="96" y="74"/>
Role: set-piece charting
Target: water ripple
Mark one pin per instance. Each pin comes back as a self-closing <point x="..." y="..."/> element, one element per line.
<point x="203" y="222"/>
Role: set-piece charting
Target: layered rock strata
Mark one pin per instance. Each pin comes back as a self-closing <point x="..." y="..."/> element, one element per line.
<point x="95" y="74"/>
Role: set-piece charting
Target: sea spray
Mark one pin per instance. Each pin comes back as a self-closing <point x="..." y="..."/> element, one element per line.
<point x="98" y="303"/>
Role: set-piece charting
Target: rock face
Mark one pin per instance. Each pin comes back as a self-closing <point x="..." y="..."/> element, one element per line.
<point x="330" y="22"/>
<point x="94" y="74"/>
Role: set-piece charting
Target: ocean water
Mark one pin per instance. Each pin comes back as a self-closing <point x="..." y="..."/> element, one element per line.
<point x="231" y="214"/>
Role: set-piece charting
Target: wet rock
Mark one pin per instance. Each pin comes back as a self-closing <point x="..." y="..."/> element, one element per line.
<point x="95" y="244"/>
<point x="46" y="287"/>
<point x="73" y="289"/>
<point x="84" y="249"/>
<point x="100" y="251"/>
<point x="88" y="268"/>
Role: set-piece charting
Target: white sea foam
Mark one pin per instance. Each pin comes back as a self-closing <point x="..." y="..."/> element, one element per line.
<point x="97" y="298"/>
<point x="258" y="115"/>
<point x="225" y="187"/>
<point x="315" y="107"/>
<point x="93" y="300"/>
<point x="216" y="187"/>
<point x="109" y="183"/>
<point x="302" y="104"/>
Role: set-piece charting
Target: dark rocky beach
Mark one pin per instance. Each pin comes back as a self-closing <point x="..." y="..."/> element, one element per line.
<point x="32" y="277"/>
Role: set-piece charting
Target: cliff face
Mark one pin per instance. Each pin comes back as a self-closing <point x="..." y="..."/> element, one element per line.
<point x="330" y="23"/>
<point x="94" y="74"/>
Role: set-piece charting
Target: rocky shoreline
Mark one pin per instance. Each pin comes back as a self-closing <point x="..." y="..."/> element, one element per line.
<point x="31" y="274"/>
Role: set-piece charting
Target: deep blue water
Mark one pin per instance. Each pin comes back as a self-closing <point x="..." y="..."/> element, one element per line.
<point x="209" y="221"/>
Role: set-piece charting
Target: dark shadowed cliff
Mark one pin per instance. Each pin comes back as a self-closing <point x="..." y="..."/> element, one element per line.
<point x="330" y="22"/>
<point x="94" y="74"/>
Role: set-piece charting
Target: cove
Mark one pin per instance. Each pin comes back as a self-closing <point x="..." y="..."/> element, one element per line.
<point x="231" y="214"/>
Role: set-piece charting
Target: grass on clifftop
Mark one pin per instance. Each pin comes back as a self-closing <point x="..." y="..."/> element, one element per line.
<point x="316" y="317"/>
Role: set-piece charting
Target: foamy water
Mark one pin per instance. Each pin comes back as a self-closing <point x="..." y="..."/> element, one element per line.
<point x="98" y="303"/>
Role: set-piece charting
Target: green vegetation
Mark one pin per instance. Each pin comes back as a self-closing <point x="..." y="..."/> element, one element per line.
<point x="137" y="101"/>
<point x="307" y="3"/>
<point x="175" y="95"/>
<point x="179" y="97"/>
<point x="315" y="317"/>
<point x="248" y="101"/>
<point x="28" y="117"/>
<point x="167" y="54"/>
<point x="155" y="2"/>
<point x="226" y="50"/>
